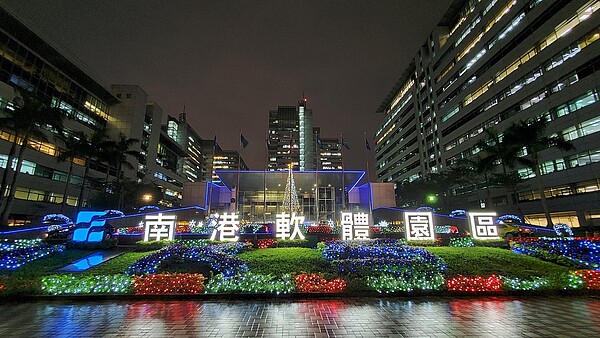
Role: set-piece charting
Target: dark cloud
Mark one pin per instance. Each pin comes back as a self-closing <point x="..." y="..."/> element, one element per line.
<point x="229" y="62"/>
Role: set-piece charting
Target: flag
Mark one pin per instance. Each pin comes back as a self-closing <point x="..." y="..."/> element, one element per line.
<point x="345" y="144"/>
<point x="320" y="143"/>
<point x="243" y="140"/>
<point x="367" y="144"/>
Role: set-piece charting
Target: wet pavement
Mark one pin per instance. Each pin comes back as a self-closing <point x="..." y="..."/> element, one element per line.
<point x="353" y="317"/>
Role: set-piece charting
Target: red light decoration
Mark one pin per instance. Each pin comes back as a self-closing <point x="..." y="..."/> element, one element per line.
<point x="182" y="229"/>
<point x="319" y="229"/>
<point x="265" y="243"/>
<point x="315" y="283"/>
<point x="492" y="283"/>
<point x="590" y="277"/>
<point x="164" y="284"/>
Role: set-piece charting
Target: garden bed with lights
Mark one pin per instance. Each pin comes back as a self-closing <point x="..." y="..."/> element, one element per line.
<point x="200" y="267"/>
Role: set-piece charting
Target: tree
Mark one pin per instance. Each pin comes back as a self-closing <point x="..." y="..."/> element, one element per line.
<point x="29" y="119"/>
<point x="120" y="151"/>
<point x="76" y="146"/>
<point x="93" y="148"/>
<point x="531" y="136"/>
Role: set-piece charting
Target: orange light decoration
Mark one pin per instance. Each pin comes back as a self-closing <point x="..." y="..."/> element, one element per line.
<point x="492" y="283"/>
<point x="315" y="283"/>
<point x="164" y="284"/>
<point x="590" y="277"/>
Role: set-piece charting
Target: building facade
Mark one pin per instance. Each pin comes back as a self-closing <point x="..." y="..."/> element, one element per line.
<point x="290" y="138"/>
<point x="30" y="64"/>
<point x="489" y="64"/>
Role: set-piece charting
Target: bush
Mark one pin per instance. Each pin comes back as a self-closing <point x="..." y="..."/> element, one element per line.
<point x="491" y="243"/>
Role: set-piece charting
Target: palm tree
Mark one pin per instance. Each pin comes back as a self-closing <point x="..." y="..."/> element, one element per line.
<point x="30" y="119"/>
<point x="531" y="136"/>
<point x="93" y="148"/>
<point x="75" y="144"/>
<point x="120" y="152"/>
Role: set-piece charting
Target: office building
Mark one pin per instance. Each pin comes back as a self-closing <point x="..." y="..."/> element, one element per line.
<point x="489" y="64"/>
<point x="290" y="138"/>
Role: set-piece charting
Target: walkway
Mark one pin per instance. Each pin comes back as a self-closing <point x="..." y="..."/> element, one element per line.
<point x="372" y="317"/>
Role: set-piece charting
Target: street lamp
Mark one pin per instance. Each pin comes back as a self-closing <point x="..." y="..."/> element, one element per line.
<point x="147" y="197"/>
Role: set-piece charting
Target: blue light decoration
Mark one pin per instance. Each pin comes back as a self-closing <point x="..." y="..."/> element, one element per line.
<point x="113" y="213"/>
<point x="579" y="252"/>
<point x="382" y="260"/>
<point x="14" y="244"/>
<point x="220" y="257"/>
<point x="458" y="213"/>
<point x="510" y="217"/>
<point x="148" y="208"/>
<point x="561" y="229"/>
<point x="445" y="229"/>
<point x="57" y="218"/>
<point x="14" y="259"/>
<point x="425" y="209"/>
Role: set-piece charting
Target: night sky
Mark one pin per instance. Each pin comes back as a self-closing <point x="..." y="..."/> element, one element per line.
<point x="229" y="62"/>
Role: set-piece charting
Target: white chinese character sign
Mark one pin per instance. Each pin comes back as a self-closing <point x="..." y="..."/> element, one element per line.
<point x="483" y="226"/>
<point x="419" y="226"/>
<point x="159" y="227"/>
<point x="283" y="224"/>
<point x="355" y="226"/>
<point x="227" y="226"/>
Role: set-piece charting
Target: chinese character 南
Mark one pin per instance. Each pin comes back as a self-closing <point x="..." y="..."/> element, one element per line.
<point x="227" y="228"/>
<point x="355" y="226"/>
<point x="159" y="227"/>
<point x="419" y="226"/>
<point x="283" y="223"/>
<point x="483" y="226"/>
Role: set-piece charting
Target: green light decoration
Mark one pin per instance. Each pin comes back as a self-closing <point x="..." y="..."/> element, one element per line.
<point x="250" y="283"/>
<point x="389" y="283"/>
<point x="461" y="242"/>
<point x="290" y="197"/>
<point x="537" y="283"/>
<point x="431" y="198"/>
<point x="77" y="285"/>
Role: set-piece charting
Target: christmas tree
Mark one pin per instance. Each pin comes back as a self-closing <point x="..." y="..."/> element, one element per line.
<point x="290" y="198"/>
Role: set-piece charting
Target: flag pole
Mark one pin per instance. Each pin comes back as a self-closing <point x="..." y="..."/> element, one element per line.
<point x="237" y="187"/>
<point x="343" y="173"/>
<point x="212" y="169"/>
<point x="265" y="176"/>
<point x="317" y="161"/>
<point x="367" y="148"/>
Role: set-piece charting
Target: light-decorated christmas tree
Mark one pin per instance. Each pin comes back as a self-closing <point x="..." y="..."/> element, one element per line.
<point x="290" y="198"/>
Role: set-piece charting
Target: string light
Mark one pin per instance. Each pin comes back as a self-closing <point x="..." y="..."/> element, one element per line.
<point x="21" y="255"/>
<point x="492" y="283"/>
<point x="71" y="284"/>
<point x="461" y="242"/>
<point x="316" y="283"/>
<point x="161" y="284"/>
<point x="264" y="243"/>
<point x="590" y="277"/>
<point x="249" y="282"/>
<point x="390" y="283"/>
<point x="581" y="252"/>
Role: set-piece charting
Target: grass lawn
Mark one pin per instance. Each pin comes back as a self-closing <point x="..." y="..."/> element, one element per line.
<point x="280" y="261"/>
<point x="118" y="264"/>
<point x="484" y="261"/>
